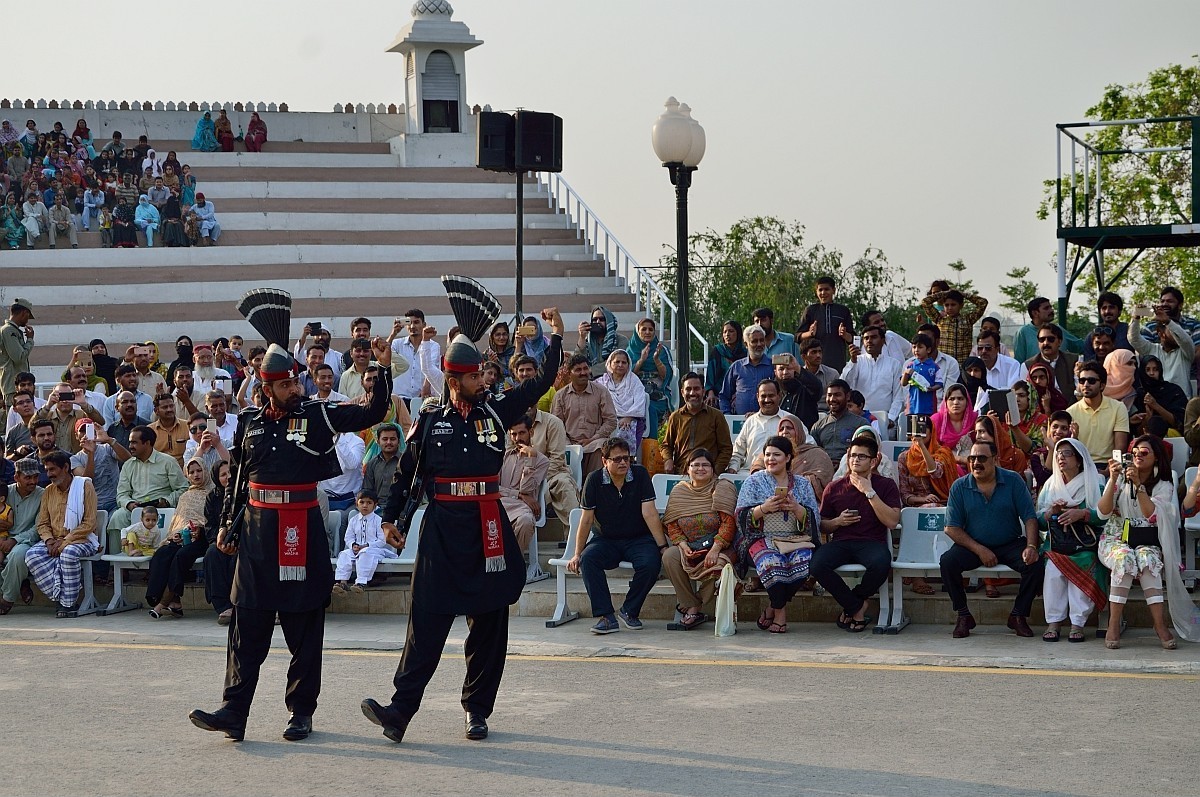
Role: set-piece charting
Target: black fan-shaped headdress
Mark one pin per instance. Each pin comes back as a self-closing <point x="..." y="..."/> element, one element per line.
<point x="269" y="311"/>
<point x="475" y="308"/>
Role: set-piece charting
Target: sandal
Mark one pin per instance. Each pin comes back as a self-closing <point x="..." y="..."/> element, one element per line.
<point x="763" y="623"/>
<point x="65" y="611"/>
<point x="781" y="626"/>
<point x="1052" y="634"/>
<point x="843" y="622"/>
<point x="26" y="592"/>
<point x="690" y="621"/>
<point x="176" y="610"/>
<point x="157" y="615"/>
<point x="5" y="607"/>
<point x="1076" y="634"/>
<point x="992" y="592"/>
<point x="858" y="626"/>
<point x="922" y="587"/>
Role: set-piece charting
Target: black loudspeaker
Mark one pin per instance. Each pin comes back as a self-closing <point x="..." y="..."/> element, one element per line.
<point x="495" y="141"/>
<point x="538" y="142"/>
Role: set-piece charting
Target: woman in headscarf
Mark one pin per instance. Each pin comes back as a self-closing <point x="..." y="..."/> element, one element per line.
<point x="172" y="160"/>
<point x="183" y="356"/>
<point x="8" y="135"/>
<point x="185" y="542"/>
<point x="152" y="163"/>
<point x="990" y="429"/>
<point x="954" y="422"/>
<point x="974" y="376"/>
<point x="256" y="133"/>
<point x="1030" y="430"/>
<point x="1121" y="369"/>
<point x="652" y="365"/>
<point x="629" y="399"/>
<point x="10" y="222"/>
<point x="1050" y="397"/>
<point x="599" y="338"/>
<point x="172" y="222"/>
<point x="533" y="346"/>
<point x="720" y="357"/>
<point x="147" y="219"/>
<point x="885" y="468"/>
<point x="1158" y="396"/>
<point x="187" y="187"/>
<point x="82" y="138"/>
<point x="500" y="351"/>
<point x="205" y="139"/>
<point x="218" y="566"/>
<point x="1068" y="511"/>
<point x="699" y="523"/>
<point x="224" y="131"/>
<point x="926" y="471"/>
<point x="124" y="233"/>
<point x="809" y="460"/>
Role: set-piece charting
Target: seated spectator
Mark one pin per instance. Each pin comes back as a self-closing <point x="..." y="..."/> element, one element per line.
<point x="987" y="511"/>
<point x="599" y="338"/>
<point x="700" y="526"/>
<point x="62" y="222"/>
<point x="885" y="467"/>
<point x="1029" y="428"/>
<point x="17" y="434"/>
<point x="738" y="395"/>
<point x="1103" y="422"/>
<point x="652" y="364"/>
<point x="172" y="169"/>
<point x="207" y="375"/>
<point x="955" y="323"/>
<point x="203" y="444"/>
<point x="350" y="383"/>
<point x="188" y="399"/>
<point x="148" y="478"/>
<point x="926" y="471"/>
<point x="809" y="460"/>
<point x="1000" y="371"/>
<point x="1143" y="497"/>
<point x="124" y="233"/>
<point x="205" y="138"/>
<point x="1174" y="347"/>
<point x="224" y="131"/>
<point x="35" y="218"/>
<point x="587" y="412"/>
<point x="67" y="527"/>
<point x="323" y="382"/>
<point x="1050" y="353"/>
<point x="1121" y="367"/>
<point x="256" y="133"/>
<point x="549" y="436"/>
<point x="693" y="426"/>
<point x="63" y="409"/>
<point x="777" y="342"/>
<point x="835" y="428"/>
<point x="151" y="164"/>
<point x="11" y="217"/>
<point x="630" y="399"/>
<point x="147" y="219"/>
<point x="183" y="544"/>
<point x="1068" y="510"/>
<point x="367" y="544"/>
<point x="856" y="404"/>
<point x="397" y="411"/>
<point x="218" y="565"/>
<point x="812" y="360"/>
<point x="1050" y="398"/>
<point x="777" y="519"/>
<point x="171" y="431"/>
<point x="1058" y="427"/>
<point x="158" y="194"/>
<point x="187" y="188"/>
<point x="99" y="459"/>
<point x="342" y="490"/>
<point x="210" y="229"/>
<point x="521" y="475"/>
<point x="146" y="181"/>
<point x="859" y="510"/>
<point x="527" y="368"/>
<point x="500" y="351"/>
<point x="974" y="377"/>
<point x="24" y="497"/>
<point x="1158" y="397"/>
<point x="802" y="391"/>
<point x="619" y="499"/>
<point x="380" y="470"/>
<point x="216" y="406"/>
<point x="128" y="381"/>
<point x="720" y="358"/>
<point x="759" y="426"/>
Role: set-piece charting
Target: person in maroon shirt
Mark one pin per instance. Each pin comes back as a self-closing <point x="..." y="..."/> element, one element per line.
<point x="858" y="510"/>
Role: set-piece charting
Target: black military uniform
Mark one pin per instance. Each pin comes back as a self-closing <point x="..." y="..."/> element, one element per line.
<point x="461" y="466"/>
<point x="283" y="460"/>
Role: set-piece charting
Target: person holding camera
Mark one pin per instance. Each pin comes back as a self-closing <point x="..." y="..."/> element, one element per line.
<point x="1174" y="348"/>
<point x="65" y="407"/>
<point x="599" y="338"/>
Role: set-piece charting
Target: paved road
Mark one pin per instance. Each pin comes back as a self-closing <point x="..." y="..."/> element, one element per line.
<point x="110" y="717"/>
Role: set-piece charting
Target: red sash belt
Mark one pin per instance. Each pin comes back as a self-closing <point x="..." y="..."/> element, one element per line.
<point x="485" y="491"/>
<point x="291" y="502"/>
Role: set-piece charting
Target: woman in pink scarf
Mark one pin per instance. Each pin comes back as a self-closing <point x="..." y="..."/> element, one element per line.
<point x="1120" y="367"/>
<point x="953" y="423"/>
<point x="256" y="133"/>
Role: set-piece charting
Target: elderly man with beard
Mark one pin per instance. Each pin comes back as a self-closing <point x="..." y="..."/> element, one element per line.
<point x="206" y="375"/>
<point x="281" y="450"/>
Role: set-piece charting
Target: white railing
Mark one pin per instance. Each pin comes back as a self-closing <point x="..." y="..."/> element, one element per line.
<point x="649" y="297"/>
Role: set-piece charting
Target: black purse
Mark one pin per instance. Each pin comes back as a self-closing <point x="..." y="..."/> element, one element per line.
<point x="1138" y="536"/>
<point x="1073" y="537"/>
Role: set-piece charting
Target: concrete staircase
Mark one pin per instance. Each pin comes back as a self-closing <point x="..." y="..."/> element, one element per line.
<point x="341" y="225"/>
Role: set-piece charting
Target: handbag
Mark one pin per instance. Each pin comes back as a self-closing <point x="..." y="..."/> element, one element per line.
<point x="702" y="544"/>
<point x="1073" y="537"/>
<point x="1139" y="536"/>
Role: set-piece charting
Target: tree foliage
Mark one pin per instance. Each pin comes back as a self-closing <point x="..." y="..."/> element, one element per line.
<point x="768" y="262"/>
<point x="1018" y="291"/>
<point x="1141" y="188"/>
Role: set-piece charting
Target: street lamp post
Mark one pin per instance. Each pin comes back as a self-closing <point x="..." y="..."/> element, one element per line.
<point x="679" y="143"/>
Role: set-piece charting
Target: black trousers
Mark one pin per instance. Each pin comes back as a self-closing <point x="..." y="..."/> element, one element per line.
<point x="958" y="559"/>
<point x="169" y="567"/>
<point x="218" y="578"/>
<point x="249" y="641"/>
<point x="486" y="649"/>
<point x="875" y="556"/>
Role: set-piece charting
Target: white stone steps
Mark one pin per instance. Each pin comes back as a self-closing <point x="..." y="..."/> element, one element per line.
<point x="313" y="160"/>
<point x="349" y="222"/>
<point x="286" y="189"/>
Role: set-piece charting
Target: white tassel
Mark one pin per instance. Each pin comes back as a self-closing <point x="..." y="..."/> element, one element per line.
<point x="494" y="564"/>
<point x="293" y="573"/>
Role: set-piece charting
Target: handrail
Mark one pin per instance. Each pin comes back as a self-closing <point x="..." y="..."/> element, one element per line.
<point x="649" y="297"/>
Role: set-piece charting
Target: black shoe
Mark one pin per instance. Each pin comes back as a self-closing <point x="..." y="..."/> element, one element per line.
<point x="298" y="727"/>
<point x="223" y="719"/>
<point x="476" y="726"/>
<point x="385" y="717"/>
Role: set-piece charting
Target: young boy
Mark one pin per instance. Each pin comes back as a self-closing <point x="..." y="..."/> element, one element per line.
<point x="366" y="546"/>
<point x="922" y="377"/>
<point x="954" y="323"/>
<point x="141" y="539"/>
<point x="828" y="322"/>
<point x="106" y="224"/>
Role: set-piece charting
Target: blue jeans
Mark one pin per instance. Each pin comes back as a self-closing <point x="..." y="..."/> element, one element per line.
<point x="603" y="554"/>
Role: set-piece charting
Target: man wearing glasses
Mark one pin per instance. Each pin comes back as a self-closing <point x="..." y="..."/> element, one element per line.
<point x="1002" y="371"/>
<point x="1062" y="363"/>
<point x="1103" y="422"/>
<point x="991" y="520"/>
<point x="1109" y="307"/>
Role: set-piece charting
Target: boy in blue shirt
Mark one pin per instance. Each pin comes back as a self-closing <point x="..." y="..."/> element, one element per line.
<point x="922" y="376"/>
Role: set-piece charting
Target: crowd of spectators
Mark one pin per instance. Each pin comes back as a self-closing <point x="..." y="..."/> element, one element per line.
<point x="57" y="185"/>
<point x="1081" y="451"/>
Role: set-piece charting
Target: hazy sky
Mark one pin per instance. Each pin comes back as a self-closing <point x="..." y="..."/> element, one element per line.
<point x="922" y="128"/>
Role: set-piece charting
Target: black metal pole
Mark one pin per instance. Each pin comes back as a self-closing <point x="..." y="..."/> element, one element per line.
<point x="681" y="178"/>
<point x="520" y="246"/>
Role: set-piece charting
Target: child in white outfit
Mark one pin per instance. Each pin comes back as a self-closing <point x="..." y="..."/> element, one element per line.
<point x="366" y="547"/>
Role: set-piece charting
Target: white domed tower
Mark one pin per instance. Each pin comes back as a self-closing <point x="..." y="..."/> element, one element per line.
<point x="434" y="47"/>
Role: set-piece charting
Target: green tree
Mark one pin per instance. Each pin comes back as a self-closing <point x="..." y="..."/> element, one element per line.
<point x="766" y="261"/>
<point x="1141" y="187"/>
<point x="961" y="281"/>
<point x="1018" y="290"/>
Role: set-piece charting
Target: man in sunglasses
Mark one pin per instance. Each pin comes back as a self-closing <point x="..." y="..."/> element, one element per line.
<point x="1103" y="421"/>
<point x="991" y="520"/>
<point x="1062" y="363"/>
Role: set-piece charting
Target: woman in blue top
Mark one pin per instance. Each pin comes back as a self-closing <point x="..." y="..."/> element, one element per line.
<point x="205" y="139"/>
<point x="652" y="365"/>
<point x="720" y="357"/>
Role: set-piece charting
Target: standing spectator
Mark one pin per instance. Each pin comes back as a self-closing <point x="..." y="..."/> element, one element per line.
<point x="802" y="392"/>
<point x="1025" y="343"/>
<point x="209" y="227"/>
<point x="67" y="527"/>
<point x="16" y="342"/>
<point x="652" y="364"/>
<point x="521" y="476"/>
<point x="629" y="400"/>
<point x="599" y="338"/>
<point x="987" y="512"/>
<point x="893" y="345"/>
<point x="828" y="322"/>
<point x="500" y="351"/>
<point x="777" y="342"/>
<point x="1061" y="363"/>
<point x="1109" y="305"/>
<point x="954" y="320"/>
<point x="256" y="133"/>
<point x="224" y="131"/>
<point x="587" y="412"/>
<point x="1173" y="344"/>
<point x="834" y="430"/>
<point x="738" y="394"/>
<point x="877" y="376"/>
<point x="343" y="488"/>
<point x="205" y="138"/>
<point x="421" y="349"/>
<point x="922" y="377"/>
<point x="859" y="510"/>
<point x="759" y="426"/>
<point x="619" y="499"/>
<point x="720" y="358"/>
<point x="1171" y="300"/>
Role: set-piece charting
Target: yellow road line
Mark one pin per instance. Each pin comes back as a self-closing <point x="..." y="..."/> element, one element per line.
<point x="803" y="665"/>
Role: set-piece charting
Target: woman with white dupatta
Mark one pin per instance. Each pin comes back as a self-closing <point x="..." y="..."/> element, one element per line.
<point x="629" y="398"/>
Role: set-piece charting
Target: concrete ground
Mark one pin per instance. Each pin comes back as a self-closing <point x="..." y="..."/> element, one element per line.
<point x="99" y="705"/>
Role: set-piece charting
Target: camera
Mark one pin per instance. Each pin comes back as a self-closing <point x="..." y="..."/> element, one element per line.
<point x="66" y="395"/>
<point x="314" y="327"/>
<point x="598" y="326"/>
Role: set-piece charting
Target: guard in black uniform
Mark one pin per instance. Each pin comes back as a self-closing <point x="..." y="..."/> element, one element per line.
<point x="280" y="452"/>
<point x="468" y="560"/>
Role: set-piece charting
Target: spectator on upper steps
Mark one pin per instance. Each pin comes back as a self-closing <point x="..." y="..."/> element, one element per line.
<point x="210" y="229"/>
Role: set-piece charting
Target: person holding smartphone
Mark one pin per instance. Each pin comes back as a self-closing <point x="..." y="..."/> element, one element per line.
<point x="64" y="408"/>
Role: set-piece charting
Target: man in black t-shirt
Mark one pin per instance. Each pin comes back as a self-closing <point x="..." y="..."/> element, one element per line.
<point x="619" y="498"/>
<point x="828" y="322"/>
